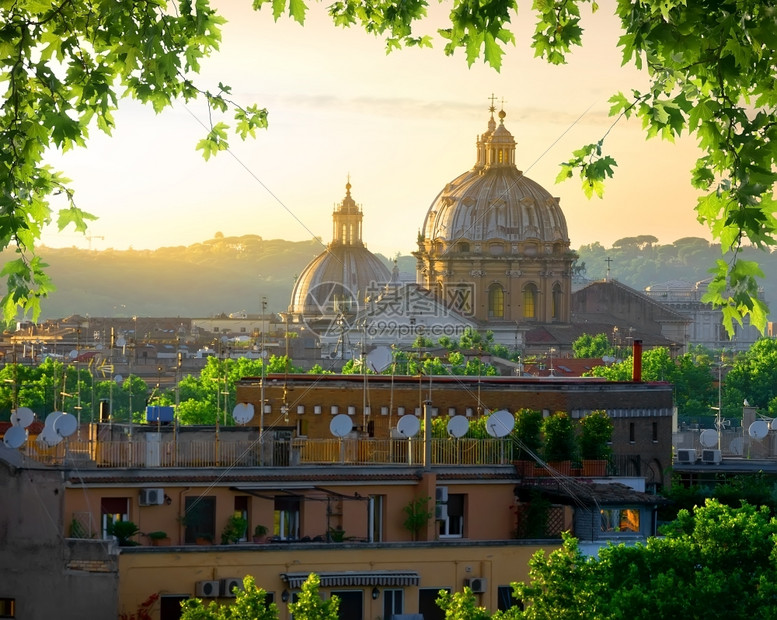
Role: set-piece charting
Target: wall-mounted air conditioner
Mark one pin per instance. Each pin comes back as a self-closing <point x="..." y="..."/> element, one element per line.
<point x="478" y="585"/>
<point x="711" y="456"/>
<point x="206" y="589"/>
<point x="686" y="455"/>
<point x="441" y="512"/>
<point x="152" y="497"/>
<point x="441" y="494"/>
<point x="229" y="584"/>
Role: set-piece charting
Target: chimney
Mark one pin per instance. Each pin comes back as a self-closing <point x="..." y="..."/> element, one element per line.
<point x="636" y="373"/>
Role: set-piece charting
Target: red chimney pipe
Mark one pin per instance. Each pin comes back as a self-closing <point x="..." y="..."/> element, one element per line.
<point x="636" y="373"/>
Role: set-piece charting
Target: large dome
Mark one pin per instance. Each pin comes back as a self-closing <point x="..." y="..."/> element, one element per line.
<point x="339" y="279"/>
<point x="494" y="200"/>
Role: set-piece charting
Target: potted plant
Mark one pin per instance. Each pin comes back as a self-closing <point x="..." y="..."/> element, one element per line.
<point x="234" y="530"/>
<point x="595" y="437"/>
<point x="203" y="538"/>
<point x="260" y="533"/>
<point x="123" y="531"/>
<point x="159" y="538"/>
<point x="560" y="442"/>
<point x="418" y="515"/>
<point x="528" y="425"/>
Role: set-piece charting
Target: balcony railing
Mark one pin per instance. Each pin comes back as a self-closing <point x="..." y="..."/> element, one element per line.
<point x="273" y="453"/>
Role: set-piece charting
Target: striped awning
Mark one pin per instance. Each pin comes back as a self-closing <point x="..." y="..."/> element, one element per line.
<point x="356" y="578"/>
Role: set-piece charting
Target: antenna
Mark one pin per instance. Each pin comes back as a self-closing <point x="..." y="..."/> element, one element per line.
<point x="458" y="426"/>
<point x="408" y="426"/>
<point x="341" y="425"/>
<point x="708" y="438"/>
<point x="500" y="423"/>
<point x="243" y="413"/>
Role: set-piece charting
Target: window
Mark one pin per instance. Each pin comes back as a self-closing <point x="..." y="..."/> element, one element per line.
<point x="7" y="607"/>
<point x="620" y="520"/>
<point x="530" y="301"/>
<point x="463" y="247"/>
<point x="170" y="606"/>
<point x="200" y="518"/>
<point x="351" y="604"/>
<point x="496" y="302"/>
<point x="393" y="602"/>
<point x="655" y="431"/>
<point x="453" y="525"/>
<point x="556" y="301"/>
<point x="113" y="509"/>
<point x="287" y="508"/>
<point x="427" y="603"/>
<point x="241" y="510"/>
<point x="632" y="433"/>
<point x="505" y="598"/>
<point x="376" y="517"/>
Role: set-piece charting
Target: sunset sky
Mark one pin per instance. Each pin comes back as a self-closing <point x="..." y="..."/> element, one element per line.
<point x="401" y="126"/>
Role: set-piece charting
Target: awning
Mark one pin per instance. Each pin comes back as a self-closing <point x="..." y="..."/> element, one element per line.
<point x="356" y="578"/>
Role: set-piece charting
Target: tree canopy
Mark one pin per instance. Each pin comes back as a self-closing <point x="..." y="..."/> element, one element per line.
<point x="67" y="63"/>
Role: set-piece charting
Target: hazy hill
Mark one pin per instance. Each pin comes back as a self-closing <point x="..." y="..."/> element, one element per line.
<point x="231" y="274"/>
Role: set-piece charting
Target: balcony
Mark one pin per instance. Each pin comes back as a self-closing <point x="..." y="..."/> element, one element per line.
<point x="271" y="453"/>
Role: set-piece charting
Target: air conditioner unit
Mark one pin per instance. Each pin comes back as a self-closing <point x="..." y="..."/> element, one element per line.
<point x="686" y="455"/>
<point x="152" y="497"/>
<point x="441" y="494"/>
<point x="478" y="585"/>
<point x="711" y="456"/>
<point x="441" y="512"/>
<point x="206" y="589"/>
<point x="229" y="584"/>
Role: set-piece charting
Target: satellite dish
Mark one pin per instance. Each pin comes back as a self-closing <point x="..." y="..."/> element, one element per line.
<point x="120" y="341"/>
<point x="243" y="412"/>
<point x="709" y="438"/>
<point x="409" y="426"/>
<point x="23" y="417"/>
<point x="758" y="429"/>
<point x="118" y="378"/>
<point x="500" y="423"/>
<point x="49" y="437"/>
<point x="773" y="424"/>
<point x="379" y="359"/>
<point x="52" y="418"/>
<point x="737" y="446"/>
<point x="73" y="354"/>
<point x="65" y="425"/>
<point x="340" y="425"/>
<point x="15" y="437"/>
<point x="458" y="426"/>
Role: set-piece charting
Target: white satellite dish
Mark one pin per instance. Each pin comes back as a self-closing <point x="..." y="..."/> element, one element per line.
<point x="500" y="423"/>
<point x="23" y="417"/>
<point x="379" y="359"/>
<point x="709" y="438"/>
<point x="243" y="413"/>
<point x="73" y="354"/>
<point x="409" y="426"/>
<point x="120" y="341"/>
<point x="458" y="426"/>
<point x="341" y="425"/>
<point x="15" y="437"/>
<point x="52" y="418"/>
<point x="65" y="425"/>
<point x="49" y="437"/>
<point x="758" y="429"/>
<point x="773" y="424"/>
<point x="737" y="446"/>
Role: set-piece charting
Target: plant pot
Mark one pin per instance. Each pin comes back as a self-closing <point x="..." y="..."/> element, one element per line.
<point x="202" y="540"/>
<point x="160" y="542"/>
<point x="596" y="467"/>
<point x="564" y="468"/>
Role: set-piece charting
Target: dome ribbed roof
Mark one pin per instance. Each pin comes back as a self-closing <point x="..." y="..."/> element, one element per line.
<point x="345" y="273"/>
<point x="495" y="200"/>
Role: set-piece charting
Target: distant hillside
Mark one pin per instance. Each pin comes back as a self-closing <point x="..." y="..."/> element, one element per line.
<point x="232" y="274"/>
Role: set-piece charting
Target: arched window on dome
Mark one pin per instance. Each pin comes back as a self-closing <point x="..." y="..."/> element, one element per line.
<point x="496" y="301"/>
<point x="556" y="302"/>
<point x="530" y="301"/>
